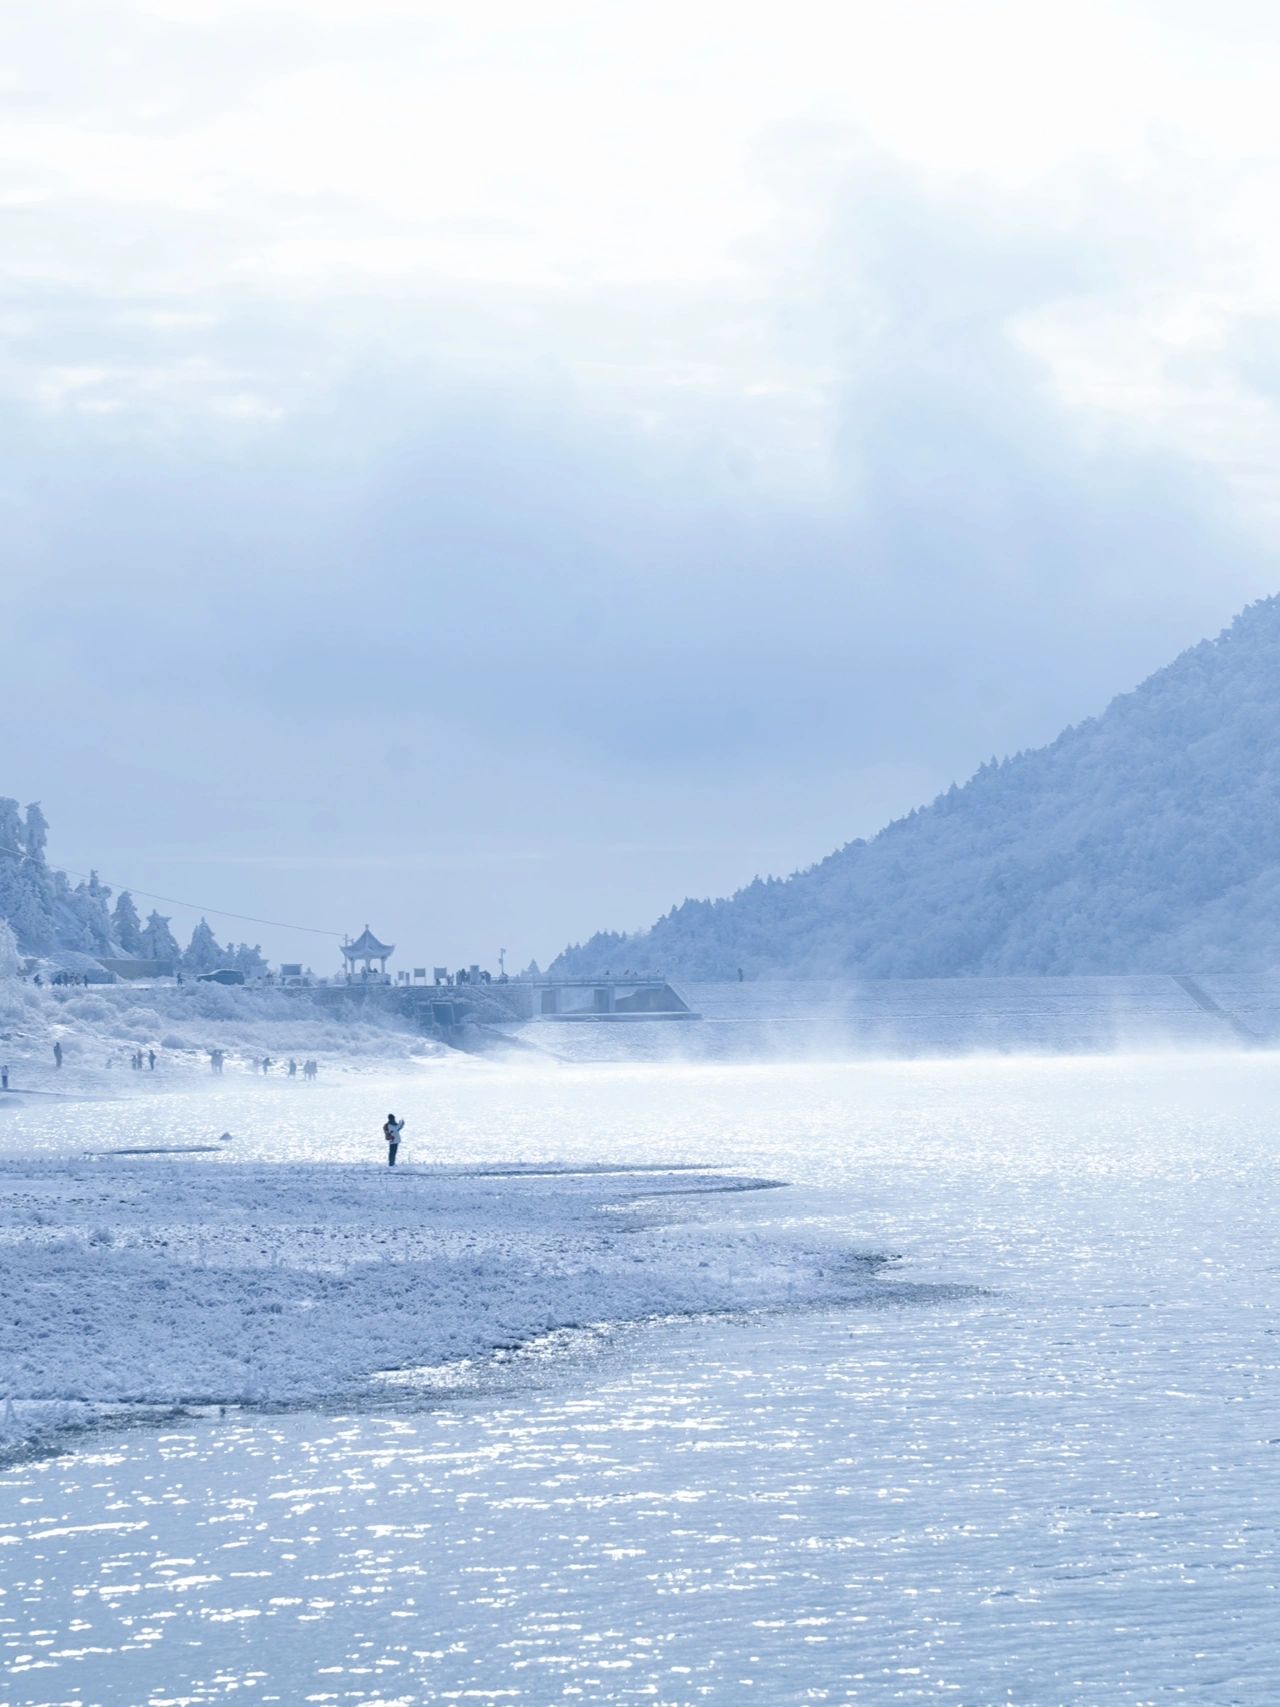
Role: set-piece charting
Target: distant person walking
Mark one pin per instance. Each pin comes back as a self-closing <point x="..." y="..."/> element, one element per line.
<point x="293" y="1068"/>
<point x="4" y="1078"/>
<point x="57" y="1053"/>
<point x="391" y="1132"/>
<point x="151" y="1057"/>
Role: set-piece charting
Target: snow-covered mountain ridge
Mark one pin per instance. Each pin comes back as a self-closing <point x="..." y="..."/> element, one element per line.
<point x="1145" y="839"/>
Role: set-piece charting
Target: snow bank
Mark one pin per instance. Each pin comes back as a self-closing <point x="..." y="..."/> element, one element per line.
<point x="159" y="1281"/>
<point x="100" y="1026"/>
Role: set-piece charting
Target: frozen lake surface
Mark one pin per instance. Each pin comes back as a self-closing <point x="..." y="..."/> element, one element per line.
<point x="1038" y="1464"/>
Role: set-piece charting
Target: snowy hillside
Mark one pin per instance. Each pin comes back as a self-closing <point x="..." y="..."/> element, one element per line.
<point x="1144" y="839"/>
<point x="52" y="918"/>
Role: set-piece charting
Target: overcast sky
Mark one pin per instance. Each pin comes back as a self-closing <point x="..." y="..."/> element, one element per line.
<point x="491" y="469"/>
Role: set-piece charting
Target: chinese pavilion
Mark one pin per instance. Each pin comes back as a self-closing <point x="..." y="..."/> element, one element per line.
<point x="366" y="949"/>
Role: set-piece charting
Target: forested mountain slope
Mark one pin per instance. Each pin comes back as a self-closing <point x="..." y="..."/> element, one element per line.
<point x="1146" y="839"/>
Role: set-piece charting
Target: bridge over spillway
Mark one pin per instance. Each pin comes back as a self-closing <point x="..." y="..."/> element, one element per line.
<point x="443" y="1007"/>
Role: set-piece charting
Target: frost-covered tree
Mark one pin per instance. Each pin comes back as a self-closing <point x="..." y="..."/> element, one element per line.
<point x="11" y="830"/>
<point x="251" y="961"/>
<point x="10" y="959"/>
<point x="202" y="953"/>
<point x="27" y="901"/>
<point x="29" y="921"/>
<point x="126" y="926"/>
<point x="41" y="907"/>
<point x="36" y="833"/>
<point x="88" y="905"/>
<point x="158" y="941"/>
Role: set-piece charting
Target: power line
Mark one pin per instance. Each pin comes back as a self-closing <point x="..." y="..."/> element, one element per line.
<point x="173" y="901"/>
<point x="218" y="912"/>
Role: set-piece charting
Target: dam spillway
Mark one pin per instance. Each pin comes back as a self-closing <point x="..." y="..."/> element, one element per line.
<point x="912" y="1018"/>
<point x="607" y="1019"/>
<point x="605" y="999"/>
<point x="625" y="1000"/>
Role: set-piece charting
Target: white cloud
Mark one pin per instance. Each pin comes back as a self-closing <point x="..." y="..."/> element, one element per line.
<point x="643" y="197"/>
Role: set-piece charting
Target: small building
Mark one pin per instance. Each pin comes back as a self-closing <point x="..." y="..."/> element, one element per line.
<point x="361" y="954"/>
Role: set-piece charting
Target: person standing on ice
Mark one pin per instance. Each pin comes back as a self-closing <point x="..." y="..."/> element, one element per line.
<point x="391" y="1132"/>
<point x="57" y="1053"/>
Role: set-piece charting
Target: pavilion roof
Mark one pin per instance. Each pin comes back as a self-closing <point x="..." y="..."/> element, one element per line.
<point x="367" y="944"/>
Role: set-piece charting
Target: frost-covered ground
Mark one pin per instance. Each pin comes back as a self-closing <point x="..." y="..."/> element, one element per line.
<point x="148" y="1281"/>
<point x="213" y="1240"/>
<point x="100" y="1027"/>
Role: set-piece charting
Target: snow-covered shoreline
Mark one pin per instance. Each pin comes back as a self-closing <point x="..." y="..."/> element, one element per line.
<point x="165" y="1281"/>
<point x="100" y="1027"/>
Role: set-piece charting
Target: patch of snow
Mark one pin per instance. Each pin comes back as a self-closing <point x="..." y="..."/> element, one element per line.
<point x="151" y="1281"/>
